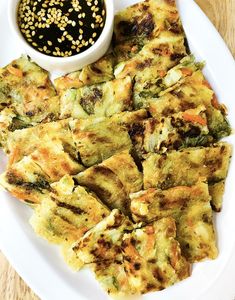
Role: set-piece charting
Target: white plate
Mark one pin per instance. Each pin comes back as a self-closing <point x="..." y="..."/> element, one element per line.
<point x="40" y="264"/>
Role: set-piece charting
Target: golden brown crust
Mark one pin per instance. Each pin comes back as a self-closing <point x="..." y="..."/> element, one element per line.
<point x="150" y="259"/>
<point x="185" y="87"/>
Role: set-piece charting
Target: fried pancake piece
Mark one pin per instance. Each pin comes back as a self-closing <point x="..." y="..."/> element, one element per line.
<point x="55" y="162"/>
<point x="29" y="178"/>
<point x="25" y="180"/>
<point x="154" y="59"/>
<point x="98" y="72"/>
<point x="48" y="150"/>
<point x="166" y="75"/>
<point x="188" y="89"/>
<point x="24" y="142"/>
<point x="173" y="132"/>
<point x="11" y="120"/>
<point x="28" y="95"/>
<point x="190" y="207"/>
<point x="187" y="166"/>
<point x="103" y="242"/>
<point x="113" y="180"/>
<point x="166" y="81"/>
<point x="150" y="260"/>
<point x="100" y="100"/>
<point x="152" y="257"/>
<point x="69" y="212"/>
<point x="24" y="84"/>
<point x="97" y="139"/>
<point x="138" y="24"/>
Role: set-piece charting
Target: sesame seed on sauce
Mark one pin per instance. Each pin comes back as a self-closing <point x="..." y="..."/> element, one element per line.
<point x="61" y="28"/>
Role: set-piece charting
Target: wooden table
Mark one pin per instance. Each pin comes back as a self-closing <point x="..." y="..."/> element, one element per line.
<point x="222" y="14"/>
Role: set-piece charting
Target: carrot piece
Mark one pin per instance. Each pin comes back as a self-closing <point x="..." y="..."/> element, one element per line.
<point x="162" y="73"/>
<point x="194" y="119"/>
<point x="166" y="52"/>
<point x="134" y="49"/>
<point x="15" y="71"/>
<point x="186" y="71"/>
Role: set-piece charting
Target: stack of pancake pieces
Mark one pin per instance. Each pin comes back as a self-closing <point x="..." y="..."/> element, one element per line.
<point x="121" y="161"/>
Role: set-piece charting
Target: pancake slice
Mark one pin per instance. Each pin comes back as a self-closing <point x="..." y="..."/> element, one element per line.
<point x="190" y="207"/>
<point x="166" y="81"/>
<point x="137" y="25"/>
<point x="177" y="131"/>
<point x="19" y="82"/>
<point x="47" y="150"/>
<point x="154" y="59"/>
<point x="27" y="96"/>
<point x="186" y="88"/>
<point x="97" y="139"/>
<point x="103" y="242"/>
<point x="100" y="100"/>
<point x="25" y="180"/>
<point x="29" y="179"/>
<point x="24" y="142"/>
<point x="187" y="166"/>
<point x="67" y="214"/>
<point x="152" y="257"/>
<point x="113" y="180"/>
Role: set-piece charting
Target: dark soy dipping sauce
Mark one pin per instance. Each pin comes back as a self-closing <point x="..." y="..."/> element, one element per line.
<point x="61" y="28"/>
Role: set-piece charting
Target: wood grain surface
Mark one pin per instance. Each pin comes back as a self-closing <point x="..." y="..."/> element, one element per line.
<point x="222" y="14"/>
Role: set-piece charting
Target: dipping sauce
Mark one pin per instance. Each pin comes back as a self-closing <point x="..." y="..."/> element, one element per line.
<point x="61" y="28"/>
